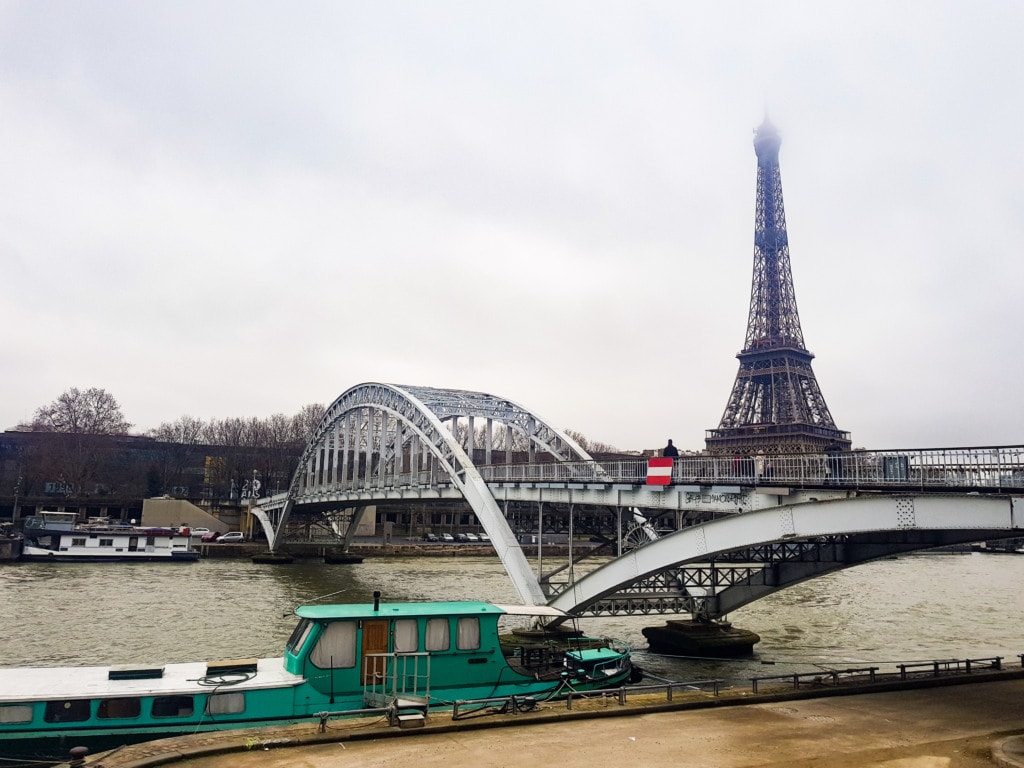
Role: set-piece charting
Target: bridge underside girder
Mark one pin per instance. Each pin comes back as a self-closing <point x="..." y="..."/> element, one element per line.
<point x="711" y="569"/>
<point x="719" y="587"/>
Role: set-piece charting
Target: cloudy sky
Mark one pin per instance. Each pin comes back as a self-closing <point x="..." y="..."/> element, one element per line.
<point x="238" y="208"/>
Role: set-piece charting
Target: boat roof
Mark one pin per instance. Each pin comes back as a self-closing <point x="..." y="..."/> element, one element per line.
<point x="21" y="684"/>
<point x="415" y="610"/>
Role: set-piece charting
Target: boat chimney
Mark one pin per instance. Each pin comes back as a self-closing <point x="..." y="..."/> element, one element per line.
<point x="376" y="600"/>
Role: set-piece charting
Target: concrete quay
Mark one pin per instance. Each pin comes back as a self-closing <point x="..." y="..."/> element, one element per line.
<point x="963" y="722"/>
<point x="367" y="547"/>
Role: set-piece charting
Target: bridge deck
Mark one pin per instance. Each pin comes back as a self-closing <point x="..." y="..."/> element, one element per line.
<point x="711" y="580"/>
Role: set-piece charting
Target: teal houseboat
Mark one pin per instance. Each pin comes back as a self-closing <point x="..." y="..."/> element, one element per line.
<point x="398" y="659"/>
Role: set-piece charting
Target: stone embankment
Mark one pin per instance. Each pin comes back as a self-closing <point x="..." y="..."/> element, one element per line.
<point x="411" y="549"/>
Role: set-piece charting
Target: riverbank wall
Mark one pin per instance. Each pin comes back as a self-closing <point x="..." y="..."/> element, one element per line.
<point x="365" y="549"/>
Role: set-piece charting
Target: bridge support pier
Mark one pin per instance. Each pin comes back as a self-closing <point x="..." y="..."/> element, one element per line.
<point x="688" y="637"/>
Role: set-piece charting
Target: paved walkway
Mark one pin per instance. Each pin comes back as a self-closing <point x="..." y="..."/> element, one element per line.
<point x="961" y="726"/>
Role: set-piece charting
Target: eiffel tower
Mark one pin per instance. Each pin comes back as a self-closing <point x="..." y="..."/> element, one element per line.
<point x="776" y="405"/>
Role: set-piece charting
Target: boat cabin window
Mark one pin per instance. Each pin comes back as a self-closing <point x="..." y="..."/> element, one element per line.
<point x="172" y="706"/>
<point x="336" y="648"/>
<point x="124" y="706"/>
<point x="106" y="542"/>
<point x="437" y="638"/>
<point x="15" y="713"/>
<point x="67" y="711"/>
<point x="467" y="634"/>
<point x="299" y="635"/>
<point x="78" y="542"/>
<point x="406" y="636"/>
<point x="225" y="704"/>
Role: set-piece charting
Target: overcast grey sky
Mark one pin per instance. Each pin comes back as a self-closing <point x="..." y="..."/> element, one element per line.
<point x="238" y="208"/>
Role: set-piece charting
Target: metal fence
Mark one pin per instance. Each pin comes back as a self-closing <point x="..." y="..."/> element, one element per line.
<point x="991" y="469"/>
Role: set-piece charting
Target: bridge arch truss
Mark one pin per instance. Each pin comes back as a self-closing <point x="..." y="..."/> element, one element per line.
<point x="376" y="436"/>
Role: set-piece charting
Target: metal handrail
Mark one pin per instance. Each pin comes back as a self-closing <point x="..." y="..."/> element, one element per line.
<point x="993" y="469"/>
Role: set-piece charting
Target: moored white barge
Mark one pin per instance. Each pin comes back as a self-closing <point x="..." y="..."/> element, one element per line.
<point x="56" y="536"/>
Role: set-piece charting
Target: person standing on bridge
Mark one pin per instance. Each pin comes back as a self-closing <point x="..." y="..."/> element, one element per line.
<point x="670" y="451"/>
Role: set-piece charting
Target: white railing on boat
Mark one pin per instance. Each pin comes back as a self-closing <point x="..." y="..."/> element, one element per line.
<point x="396" y="678"/>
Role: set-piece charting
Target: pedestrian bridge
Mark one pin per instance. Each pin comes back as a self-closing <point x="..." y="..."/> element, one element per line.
<point x="744" y="526"/>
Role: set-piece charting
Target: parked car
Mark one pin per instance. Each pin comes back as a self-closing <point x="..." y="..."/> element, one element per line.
<point x="210" y="537"/>
<point x="461" y="538"/>
<point x="232" y="537"/>
<point x="198" y="533"/>
<point x="430" y="537"/>
<point x="472" y="537"/>
<point x="447" y="537"/>
<point x="484" y="537"/>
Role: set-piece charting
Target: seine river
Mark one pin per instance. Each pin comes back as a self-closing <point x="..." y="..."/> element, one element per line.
<point x="917" y="607"/>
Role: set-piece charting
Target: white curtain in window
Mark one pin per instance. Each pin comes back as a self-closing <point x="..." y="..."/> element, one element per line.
<point x="467" y="633"/>
<point x="437" y="638"/>
<point x="406" y="640"/>
<point x="225" y="704"/>
<point x="16" y="713"/>
<point x="336" y="646"/>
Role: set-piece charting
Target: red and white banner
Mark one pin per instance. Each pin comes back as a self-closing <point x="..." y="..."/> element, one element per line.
<point x="659" y="471"/>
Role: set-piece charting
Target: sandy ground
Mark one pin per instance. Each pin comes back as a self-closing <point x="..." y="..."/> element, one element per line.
<point x="950" y="727"/>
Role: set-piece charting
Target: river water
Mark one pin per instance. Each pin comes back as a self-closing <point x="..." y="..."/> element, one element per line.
<point x="916" y="607"/>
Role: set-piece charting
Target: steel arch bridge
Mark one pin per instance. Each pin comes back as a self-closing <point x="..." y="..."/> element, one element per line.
<point x="376" y="436"/>
<point x="384" y="442"/>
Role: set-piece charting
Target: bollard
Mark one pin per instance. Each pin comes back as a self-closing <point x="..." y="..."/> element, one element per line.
<point x="78" y="756"/>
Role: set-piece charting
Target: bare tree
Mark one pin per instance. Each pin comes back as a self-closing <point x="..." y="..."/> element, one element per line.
<point x="185" y="431"/>
<point x="80" y="454"/>
<point x="305" y="422"/>
<point x="176" y="440"/>
<point x="590" y="446"/>
<point x="92" y="412"/>
<point x="279" y="430"/>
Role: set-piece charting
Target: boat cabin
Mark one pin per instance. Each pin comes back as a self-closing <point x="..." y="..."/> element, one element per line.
<point x="346" y="649"/>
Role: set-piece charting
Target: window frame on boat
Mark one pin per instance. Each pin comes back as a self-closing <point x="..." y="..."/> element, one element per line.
<point x="231" y="703"/>
<point x="437" y="634"/>
<point x="162" y="704"/>
<point x="115" y="707"/>
<point x="299" y="635"/>
<point x="336" y="646"/>
<point x="67" y="711"/>
<point x="467" y="633"/>
<point x="15" y="713"/>
<point x="406" y="635"/>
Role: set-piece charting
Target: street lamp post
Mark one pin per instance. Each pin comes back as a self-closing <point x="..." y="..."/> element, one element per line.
<point x="17" y="491"/>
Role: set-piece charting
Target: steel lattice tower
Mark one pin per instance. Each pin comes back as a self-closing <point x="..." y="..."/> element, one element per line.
<point x="776" y="405"/>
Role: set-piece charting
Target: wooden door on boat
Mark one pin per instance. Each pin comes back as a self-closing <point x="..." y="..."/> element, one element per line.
<point x="375" y="640"/>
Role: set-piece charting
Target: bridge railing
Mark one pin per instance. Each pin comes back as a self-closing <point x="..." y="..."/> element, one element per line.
<point x="996" y="468"/>
<point x="985" y="469"/>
